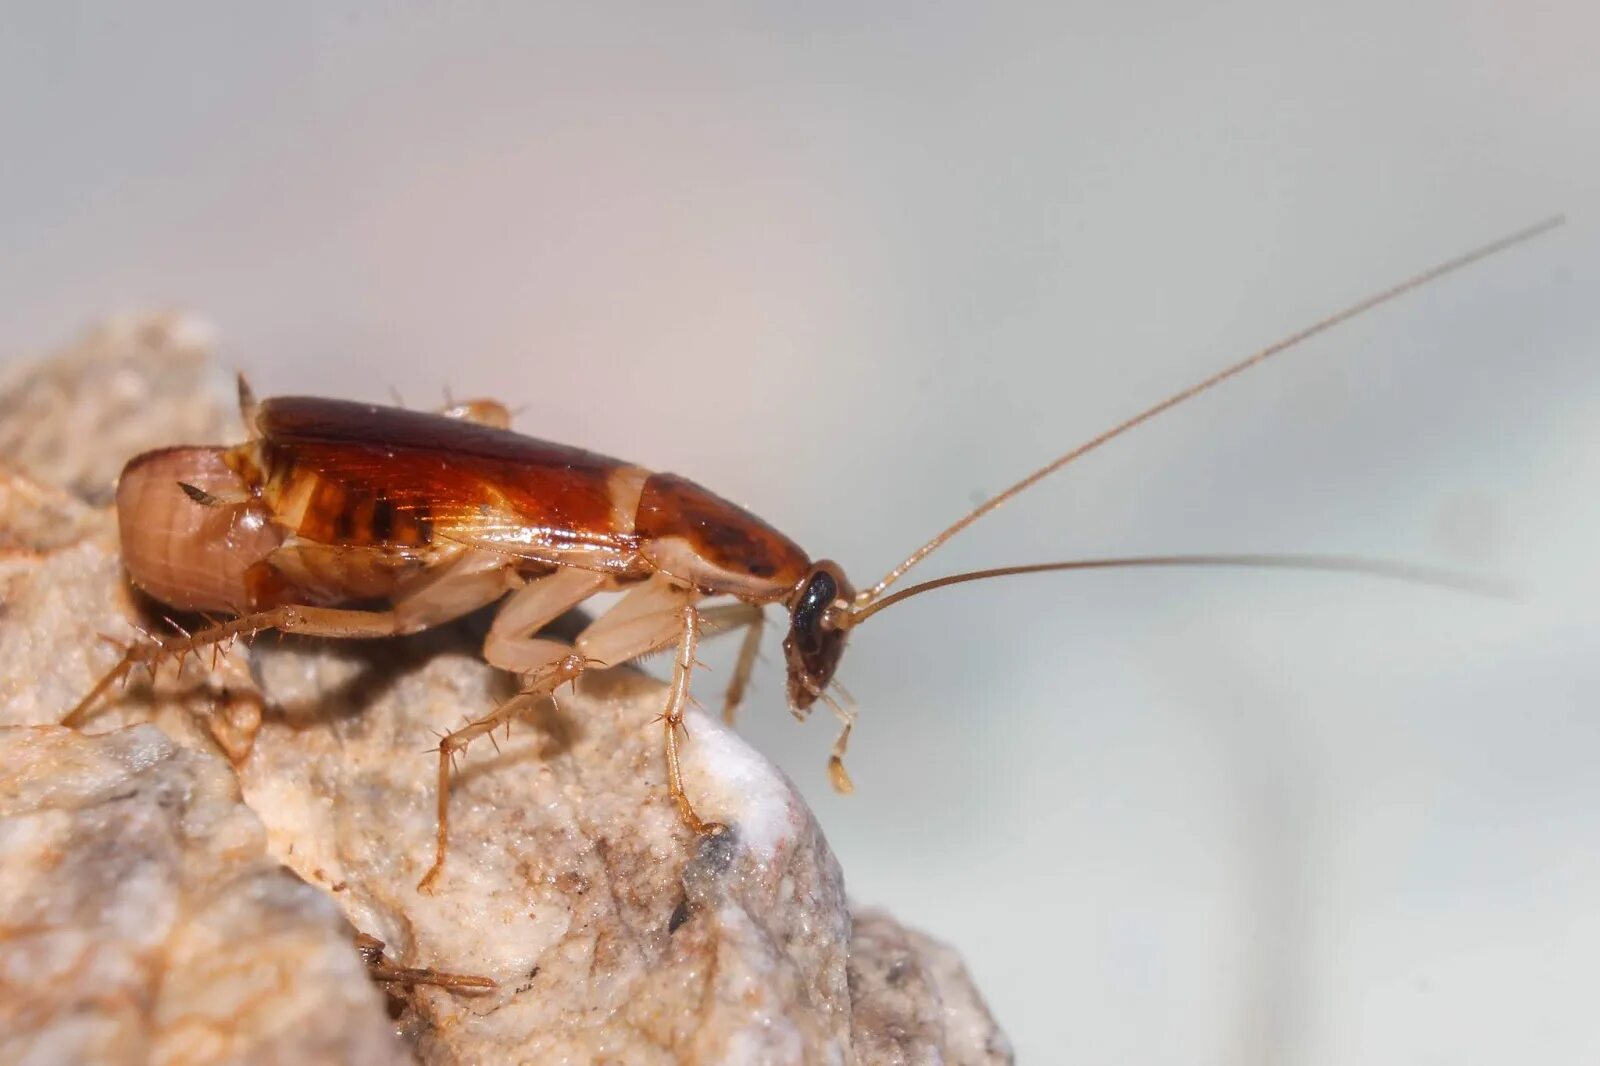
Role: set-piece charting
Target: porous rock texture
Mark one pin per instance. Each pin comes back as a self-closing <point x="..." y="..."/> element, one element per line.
<point x="182" y="880"/>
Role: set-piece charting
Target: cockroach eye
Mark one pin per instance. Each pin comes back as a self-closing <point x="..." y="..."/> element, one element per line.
<point x="815" y="642"/>
<point x="819" y="594"/>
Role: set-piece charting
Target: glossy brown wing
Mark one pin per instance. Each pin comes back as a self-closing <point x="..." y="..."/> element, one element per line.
<point x="360" y="475"/>
<point x="288" y="419"/>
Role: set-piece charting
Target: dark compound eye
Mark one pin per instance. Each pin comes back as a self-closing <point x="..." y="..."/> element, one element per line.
<point x="816" y="639"/>
<point x="814" y="601"/>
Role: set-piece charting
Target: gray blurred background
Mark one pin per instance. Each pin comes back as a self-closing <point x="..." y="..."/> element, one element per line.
<point x="856" y="268"/>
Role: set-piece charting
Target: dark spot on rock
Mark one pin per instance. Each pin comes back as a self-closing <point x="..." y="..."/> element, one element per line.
<point x="716" y="852"/>
<point x="680" y="914"/>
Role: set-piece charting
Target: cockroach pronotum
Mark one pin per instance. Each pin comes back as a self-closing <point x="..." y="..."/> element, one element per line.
<point x="331" y="503"/>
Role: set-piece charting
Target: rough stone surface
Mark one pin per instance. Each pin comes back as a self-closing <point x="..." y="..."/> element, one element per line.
<point x="612" y="933"/>
<point x="911" y="1000"/>
<point x="73" y="420"/>
<point x="145" y="922"/>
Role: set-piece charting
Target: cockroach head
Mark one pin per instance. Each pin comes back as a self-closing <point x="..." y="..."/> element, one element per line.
<point x="819" y="625"/>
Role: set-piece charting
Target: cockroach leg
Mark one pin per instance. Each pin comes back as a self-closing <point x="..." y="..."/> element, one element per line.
<point x="471" y="580"/>
<point x="547" y="665"/>
<point x="312" y="621"/>
<point x="133" y="655"/>
<point x="654" y="616"/>
<point x="724" y="620"/>
<point x="380" y="969"/>
<point x="510" y="645"/>
<point x="846" y="713"/>
<point x="544" y="682"/>
<point x="672" y="720"/>
<point x="457" y="587"/>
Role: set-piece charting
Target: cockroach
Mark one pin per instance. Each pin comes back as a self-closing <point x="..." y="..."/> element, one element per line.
<point x="331" y="504"/>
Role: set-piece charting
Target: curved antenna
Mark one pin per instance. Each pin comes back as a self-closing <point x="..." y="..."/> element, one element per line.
<point x="1414" y="282"/>
<point x="1342" y="564"/>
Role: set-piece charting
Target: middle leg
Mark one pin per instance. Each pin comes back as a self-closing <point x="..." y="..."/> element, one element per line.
<point x="652" y="616"/>
<point x="539" y="686"/>
<point x="672" y="718"/>
<point x="546" y="665"/>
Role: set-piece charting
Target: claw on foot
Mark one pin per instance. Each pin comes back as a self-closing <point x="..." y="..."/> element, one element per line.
<point x="840" y="777"/>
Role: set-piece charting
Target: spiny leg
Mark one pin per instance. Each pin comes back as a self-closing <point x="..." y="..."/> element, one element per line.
<point x="152" y="650"/>
<point x="382" y="970"/>
<point x="511" y="646"/>
<point x="540" y="686"/>
<point x="445" y="592"/>
<point x="672" y="719"/>
<point x="656" y="615"/>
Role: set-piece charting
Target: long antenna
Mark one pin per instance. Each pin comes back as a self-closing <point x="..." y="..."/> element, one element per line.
<point x="1342" y="564"/>
<point x="1414" y="282"/>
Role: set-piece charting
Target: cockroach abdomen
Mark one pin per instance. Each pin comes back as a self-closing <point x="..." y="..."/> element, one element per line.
<point x="185" y="552"/>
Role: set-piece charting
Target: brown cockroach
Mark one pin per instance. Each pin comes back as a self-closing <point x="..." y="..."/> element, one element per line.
<point x="331" y="503"/>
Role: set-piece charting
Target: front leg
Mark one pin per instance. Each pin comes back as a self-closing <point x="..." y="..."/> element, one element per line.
<point x="656" y="615"/>
<point x="672" y="718"/>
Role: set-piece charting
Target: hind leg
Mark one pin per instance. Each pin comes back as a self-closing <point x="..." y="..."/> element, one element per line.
<point x="313" y="621"/>
<point x="380" y="969"/>
<point x="453" y="589"/>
